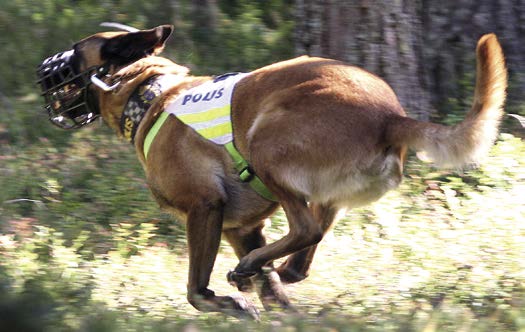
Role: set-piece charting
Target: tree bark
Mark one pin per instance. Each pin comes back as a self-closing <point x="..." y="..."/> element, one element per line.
<point x="452" y="28"/>
<point x="204" y="37"/>
<point x="424" y="49"/>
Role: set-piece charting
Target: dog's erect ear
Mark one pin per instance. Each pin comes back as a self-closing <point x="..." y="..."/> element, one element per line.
<point x="130" y="47"/>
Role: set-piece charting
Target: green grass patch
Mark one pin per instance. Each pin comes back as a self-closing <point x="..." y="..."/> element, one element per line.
<point x="84" y="248"/>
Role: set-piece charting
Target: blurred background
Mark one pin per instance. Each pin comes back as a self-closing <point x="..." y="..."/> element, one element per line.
<point x="84" y="247"/>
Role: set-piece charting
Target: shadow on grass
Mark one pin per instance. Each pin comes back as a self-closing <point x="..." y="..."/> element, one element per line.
<point x="35" y="307"/>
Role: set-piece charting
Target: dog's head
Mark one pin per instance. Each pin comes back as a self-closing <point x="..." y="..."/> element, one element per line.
<point x="73" y="82"/>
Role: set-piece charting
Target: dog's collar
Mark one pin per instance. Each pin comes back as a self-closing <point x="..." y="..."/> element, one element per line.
<point x="141" y="100"/>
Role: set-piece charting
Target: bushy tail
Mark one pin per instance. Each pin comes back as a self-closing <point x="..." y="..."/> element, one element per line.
<point x="468" y="141"/>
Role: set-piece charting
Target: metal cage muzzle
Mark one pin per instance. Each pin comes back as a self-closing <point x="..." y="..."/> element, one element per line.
<point x="66" y="91"/>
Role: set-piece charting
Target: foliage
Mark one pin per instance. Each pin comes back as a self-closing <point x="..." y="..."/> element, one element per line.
<point x="249" y="36"/>
<point x="442" y="253"/>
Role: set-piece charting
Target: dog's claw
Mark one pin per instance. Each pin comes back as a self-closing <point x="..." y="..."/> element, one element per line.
<point x="240" y="279"/>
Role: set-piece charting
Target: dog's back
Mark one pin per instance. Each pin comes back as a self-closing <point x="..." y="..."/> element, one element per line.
<point x="334" y="133"/>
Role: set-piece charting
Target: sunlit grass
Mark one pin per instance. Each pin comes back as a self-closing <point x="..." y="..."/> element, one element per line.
<point x="442" y="253"/>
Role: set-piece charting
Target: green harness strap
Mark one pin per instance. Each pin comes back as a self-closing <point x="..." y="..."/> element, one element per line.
<point x="246" y="174"/>
<point x="153" y="132"/>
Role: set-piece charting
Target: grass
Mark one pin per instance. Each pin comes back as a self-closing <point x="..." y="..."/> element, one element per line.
<point x="442" y="253"/>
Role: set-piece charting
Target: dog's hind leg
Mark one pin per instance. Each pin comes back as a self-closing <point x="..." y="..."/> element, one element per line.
<point x="204" y="228"/>
<point x="297" y="265"/>
<point x="266" y="282"/>
<point x="304" y="232"/>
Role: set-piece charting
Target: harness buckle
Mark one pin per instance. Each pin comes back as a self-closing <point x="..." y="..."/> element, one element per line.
<point x="246" y="174"/>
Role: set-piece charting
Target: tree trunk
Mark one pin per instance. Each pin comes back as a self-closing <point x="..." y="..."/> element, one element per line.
<point x="424" y="49"/>
<point x="204" y="31"/>
<point x="380" y="36"/>
<point x="452" y="28"/>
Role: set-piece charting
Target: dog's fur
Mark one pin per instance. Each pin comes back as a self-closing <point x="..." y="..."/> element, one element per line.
<point x="322" y="135"/>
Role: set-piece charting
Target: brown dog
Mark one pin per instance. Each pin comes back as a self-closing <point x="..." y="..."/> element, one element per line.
<point x="320" y="134"/>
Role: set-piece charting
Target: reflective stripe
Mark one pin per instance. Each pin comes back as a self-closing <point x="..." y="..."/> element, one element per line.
<point x="223" y="139"/>
<point x="206" y="115"/>
<point x="153" y="132"/>
<point x="216" y="131"/>
<point x="209" y="124"/>
<point x="220" y="133"/>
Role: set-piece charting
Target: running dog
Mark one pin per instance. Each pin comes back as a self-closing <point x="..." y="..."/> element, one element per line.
<point x="311" y="135"/>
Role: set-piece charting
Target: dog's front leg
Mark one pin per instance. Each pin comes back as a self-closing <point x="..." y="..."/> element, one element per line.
<point x="204" y="227"/>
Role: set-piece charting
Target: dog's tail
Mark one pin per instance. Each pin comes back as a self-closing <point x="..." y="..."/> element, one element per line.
<point x="468" y="141"/>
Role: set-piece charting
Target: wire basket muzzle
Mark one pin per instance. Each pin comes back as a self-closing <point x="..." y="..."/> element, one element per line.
<point x="65" y="91"/>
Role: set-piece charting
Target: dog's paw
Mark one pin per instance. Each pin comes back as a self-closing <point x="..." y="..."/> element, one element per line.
<point x="241" y="280"/>
<point x="244" y="308"/>
<point x="243" y="284"/>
